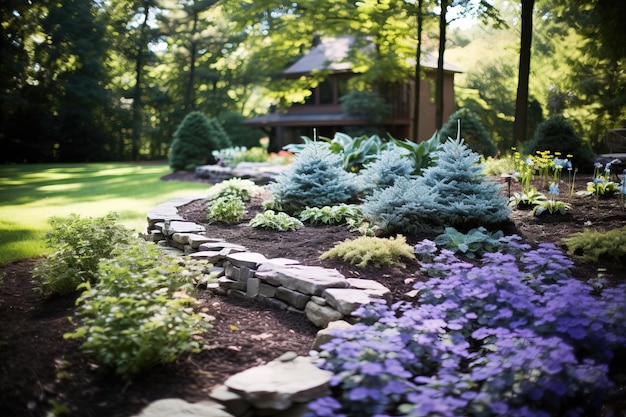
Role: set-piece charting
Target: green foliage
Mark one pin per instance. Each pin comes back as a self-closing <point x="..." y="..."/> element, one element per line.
<point x="422" y="154"/>
<point x="269" y="219"/>
<point x="139" y="314"/>
<point x="349" y="214"/>
<point x="525" y="200"/>
<point x="473" y="243"/>
<point x="239" y="134"/>
<point x="602" y="186"/>
<point x="472" y="131"/>
<point x="384" y="171"/>
<point x="365" y="104"/>
<point x="558" y="135"/>
<point x="599" y="247"/>
<point x="314" y="179"/>
<point x="366" y="250"/>
<point x="239" y="188"/>
<point x="235" y="155"/>
<point x="228" y="210"/>
<point x="194" y="140"/>
<point x="496" y="167"/>
<point x="551" y="207"/>
<point x="80" y="243"/>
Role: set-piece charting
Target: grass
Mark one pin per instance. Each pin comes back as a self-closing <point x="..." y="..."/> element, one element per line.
<point x="31" y="194"/>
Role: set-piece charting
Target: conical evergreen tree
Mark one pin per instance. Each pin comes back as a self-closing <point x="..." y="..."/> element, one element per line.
<point x="194" y="140"/>
<point x="466" y="197"/>
<point x="316" y="178"/>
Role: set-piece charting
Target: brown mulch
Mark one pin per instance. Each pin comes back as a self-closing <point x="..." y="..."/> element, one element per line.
<point x="39" y="370"/>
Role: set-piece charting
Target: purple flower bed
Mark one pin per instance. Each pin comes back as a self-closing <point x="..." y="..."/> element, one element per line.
<point x="514" y="336"/>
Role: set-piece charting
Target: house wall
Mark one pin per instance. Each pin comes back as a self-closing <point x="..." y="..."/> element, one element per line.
<point x="427" y="108"/>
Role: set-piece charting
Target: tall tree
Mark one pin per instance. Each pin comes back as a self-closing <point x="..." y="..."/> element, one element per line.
<point x="521" y="102"/>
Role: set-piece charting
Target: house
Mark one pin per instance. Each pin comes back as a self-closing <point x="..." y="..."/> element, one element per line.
<point x="322" y="113"/>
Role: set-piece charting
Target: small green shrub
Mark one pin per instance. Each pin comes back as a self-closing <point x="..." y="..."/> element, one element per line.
<point x="349" y="214"/>
<point x="473" y="243"/>
<point x="194" y="140"/>
<point x="139" y="314"/>
<point x="366" y="250"/>
<point x="80" y="243"/>
<point x="558" y="135"/>
<point x="234" y="188"/>
<point x="269" y="219"/>
<point x="472" y="131"/>
<point x="599" y="246"/>
<point x="228" y="210"/>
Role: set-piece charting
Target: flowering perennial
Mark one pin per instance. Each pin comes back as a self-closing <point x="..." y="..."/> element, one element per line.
<point x="514" y="336"/>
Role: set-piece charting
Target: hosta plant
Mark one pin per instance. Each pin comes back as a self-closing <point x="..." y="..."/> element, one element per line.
<point x="80" y="243"/>
<point x="139" y="313"/>
<point x="369" y="250"/>
<point x="228" y="210"/>
<point x="280" y="221"/>
<point x="551" y="207"/>
<point x="349" y="214"/>
<point x="472" y="244"/>
<point x="525" y="200"/>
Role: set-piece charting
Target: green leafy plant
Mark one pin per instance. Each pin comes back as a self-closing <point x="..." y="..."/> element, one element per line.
<point x="366" y="250"/>
<point x="349" y="214"/>
<point x="234" y="188"/>
<point x="526" y="200"/>
<point x="473" y="243"/>
<point x="602" y="186"/>
<point x="139" y="313"/>
<point x="551" y="207"/>
<point x="598" y="246"/>
<point x="80" y="243"/>
<point x="422" y="154"/>
<point x="269" y="219"/>
<point x="226" y="209"/>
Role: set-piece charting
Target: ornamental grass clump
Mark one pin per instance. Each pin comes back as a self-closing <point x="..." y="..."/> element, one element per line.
<point x="139" y="313"/>
<point x="369" y="250"/>
<point x="514" y="335"/>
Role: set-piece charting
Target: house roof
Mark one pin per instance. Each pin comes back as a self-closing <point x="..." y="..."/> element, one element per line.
<point x="332" y="54"/>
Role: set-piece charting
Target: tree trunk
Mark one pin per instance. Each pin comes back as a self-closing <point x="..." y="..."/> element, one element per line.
<point x="137" y="99"/>
<point x="521" y="102"/>
<point x="418" y="72"/>
<point x="442" y="47"/>
<point x="192" y="66"/>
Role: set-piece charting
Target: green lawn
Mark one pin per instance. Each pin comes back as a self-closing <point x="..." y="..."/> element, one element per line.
<point x="30" y="194"/>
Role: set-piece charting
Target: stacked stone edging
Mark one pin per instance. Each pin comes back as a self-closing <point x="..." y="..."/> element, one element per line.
<point x="284" y="386"/>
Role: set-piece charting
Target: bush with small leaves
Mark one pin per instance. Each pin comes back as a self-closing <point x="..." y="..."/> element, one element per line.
<point x="472" y="244"/>
<point x="599" y="246"/>
<point x="316" y="178"/>
<point x="228" y="210"/>
<point x="80" y="243"/>
<point x="269" y="219"/>
<point x="367" y="250"/>
<point x="139" y="313"/>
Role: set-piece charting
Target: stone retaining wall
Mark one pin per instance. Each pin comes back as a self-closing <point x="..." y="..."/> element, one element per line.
<point x="284" y="386"/>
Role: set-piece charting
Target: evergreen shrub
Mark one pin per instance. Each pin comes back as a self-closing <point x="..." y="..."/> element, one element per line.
<point x="239" y="134"/>
<point x="384" y="171"/>
<point x="194" y="141"/>
<point x="472" y="131"/>
<point x="316" y="178"/>
<point x="557" y="134"/>
<point x="599" y="246"/>
<point x="369" y="250"/>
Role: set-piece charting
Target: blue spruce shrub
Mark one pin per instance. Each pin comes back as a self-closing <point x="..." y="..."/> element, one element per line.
<point x="384" y="171"/>
<point x="405" y="207"/>
<point x="465" y="196"/>
<point x="316" y="178"/>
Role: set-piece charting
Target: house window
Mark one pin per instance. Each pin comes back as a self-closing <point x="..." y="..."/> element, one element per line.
<point x="326" y="92"/>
